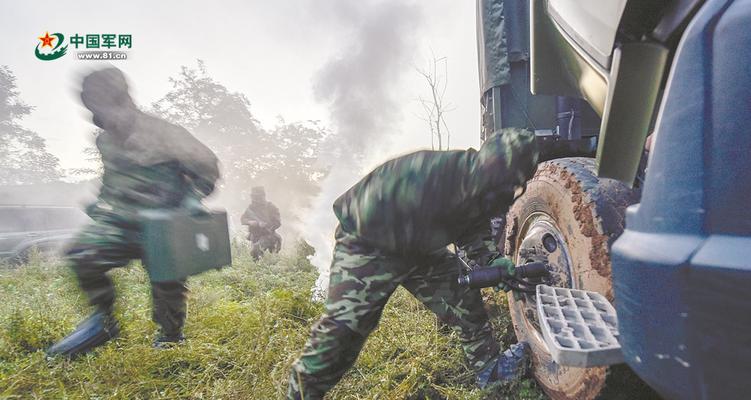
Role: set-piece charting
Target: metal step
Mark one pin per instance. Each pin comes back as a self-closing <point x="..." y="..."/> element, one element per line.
<point x="580" y="327"/>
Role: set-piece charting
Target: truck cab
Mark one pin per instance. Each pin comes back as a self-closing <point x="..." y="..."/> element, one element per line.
<point x="663" y="234"/>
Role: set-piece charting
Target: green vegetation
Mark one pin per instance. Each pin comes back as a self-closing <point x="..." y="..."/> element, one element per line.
<point x="246" y="324"/>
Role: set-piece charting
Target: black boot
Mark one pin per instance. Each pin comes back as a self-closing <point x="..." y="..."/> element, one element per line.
<point x="169" y="312"/>
<point x="506" y="367"/>
<point x="96" y="330"/>
<point x="167" y="341"/>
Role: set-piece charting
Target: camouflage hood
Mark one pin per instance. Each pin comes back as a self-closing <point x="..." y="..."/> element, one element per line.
<point x="504" y="163"/>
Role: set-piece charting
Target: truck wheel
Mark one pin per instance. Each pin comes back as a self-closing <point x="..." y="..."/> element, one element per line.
<point x="569" y="217"/>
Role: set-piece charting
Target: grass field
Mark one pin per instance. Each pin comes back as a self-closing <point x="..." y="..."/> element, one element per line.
<point x="246" y="324"/>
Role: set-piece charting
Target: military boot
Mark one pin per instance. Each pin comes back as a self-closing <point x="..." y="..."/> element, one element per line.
<point x="169" y="312"/>
<point x="167" y="341"/>
<point x="506" y="367"/>
<point x="96" y="330"/>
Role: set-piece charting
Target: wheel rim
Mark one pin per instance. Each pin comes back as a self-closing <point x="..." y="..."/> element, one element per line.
<point x="541" y="240"/>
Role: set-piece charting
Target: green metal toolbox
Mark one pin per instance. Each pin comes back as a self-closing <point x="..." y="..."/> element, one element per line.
<point x="178" y="243"/>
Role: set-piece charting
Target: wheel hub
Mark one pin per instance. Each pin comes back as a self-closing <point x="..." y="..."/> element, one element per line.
<point x="543" y="242"/>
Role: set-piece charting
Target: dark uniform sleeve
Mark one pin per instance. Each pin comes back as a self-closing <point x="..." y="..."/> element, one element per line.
<point x="248" y="216"/>
<point x="202" y="169"/>
<point x="478" y="244"/>
<point x="199" y="164"/>
<point x="275" y="220"/>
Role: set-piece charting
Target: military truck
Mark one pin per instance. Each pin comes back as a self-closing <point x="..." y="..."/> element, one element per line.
<point x="658" y="226"/>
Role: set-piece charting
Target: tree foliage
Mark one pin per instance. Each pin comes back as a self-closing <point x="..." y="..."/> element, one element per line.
<point x="24" y="158"/>
<point x="282" y="158"/>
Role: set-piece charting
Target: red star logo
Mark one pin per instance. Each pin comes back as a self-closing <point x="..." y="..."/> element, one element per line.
<point x="47" y="39"/>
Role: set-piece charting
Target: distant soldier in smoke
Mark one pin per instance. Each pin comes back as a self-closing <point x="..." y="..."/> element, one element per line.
<point x="394" y="228"/>
<point x="148" y="164"/>
<point x="262" y="219"/>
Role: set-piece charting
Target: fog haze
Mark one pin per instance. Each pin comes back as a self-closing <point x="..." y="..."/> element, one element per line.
<point x="270" y="51"/>
<point x="349" y="65"/>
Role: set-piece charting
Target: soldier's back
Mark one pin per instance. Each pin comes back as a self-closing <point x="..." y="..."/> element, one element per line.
<point x="416" y="202"/>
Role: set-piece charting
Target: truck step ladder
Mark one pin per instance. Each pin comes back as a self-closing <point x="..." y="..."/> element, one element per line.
<point x="580" y="327"/>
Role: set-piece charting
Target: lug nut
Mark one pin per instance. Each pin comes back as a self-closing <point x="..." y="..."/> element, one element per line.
<point x="549" y="242"/>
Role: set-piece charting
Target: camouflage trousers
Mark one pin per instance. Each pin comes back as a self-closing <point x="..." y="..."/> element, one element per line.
<point x="271" y="243"/>
<point x="112" y="242"/>
<point x="361" y="282"/>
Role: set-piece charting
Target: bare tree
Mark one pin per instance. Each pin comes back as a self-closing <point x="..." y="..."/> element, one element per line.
<point x="435" y="107"/>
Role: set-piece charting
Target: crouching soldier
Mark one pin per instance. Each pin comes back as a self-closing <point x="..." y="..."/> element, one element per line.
<point x="148" y="164"/>
<point x="394" y="228"/>
<point x="262" y="219"/>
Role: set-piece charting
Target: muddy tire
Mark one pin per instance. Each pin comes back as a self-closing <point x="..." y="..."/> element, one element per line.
<point x="584" y="214"/>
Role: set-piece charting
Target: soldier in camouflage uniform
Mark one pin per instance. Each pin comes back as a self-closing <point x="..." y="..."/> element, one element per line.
<point x="394" y="228"/>
<point x="148" y="164"/>
<point x="262" y="219"/>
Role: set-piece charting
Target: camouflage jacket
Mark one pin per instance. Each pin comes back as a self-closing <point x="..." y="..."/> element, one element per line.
<point x="426" y="200"/>
<point x="265" y="213"/>
<point x="157" y="166"/>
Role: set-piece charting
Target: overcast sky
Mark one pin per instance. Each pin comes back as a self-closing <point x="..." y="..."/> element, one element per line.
<point x="269" y="50"/>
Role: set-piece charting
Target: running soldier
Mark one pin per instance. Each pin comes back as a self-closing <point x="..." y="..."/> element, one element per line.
<point x="148" y="164"/>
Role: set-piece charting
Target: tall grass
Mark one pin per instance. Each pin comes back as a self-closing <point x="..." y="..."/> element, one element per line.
<point x="246" y="324"/>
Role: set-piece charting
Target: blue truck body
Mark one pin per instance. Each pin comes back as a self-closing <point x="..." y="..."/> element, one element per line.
<point x="682" y="268"/>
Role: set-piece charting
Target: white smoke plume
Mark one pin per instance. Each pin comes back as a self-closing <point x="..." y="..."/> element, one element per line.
<point x="359" y="86"/>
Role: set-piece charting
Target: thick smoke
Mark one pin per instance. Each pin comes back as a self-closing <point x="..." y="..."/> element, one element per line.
<point x="359" y="85"/>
